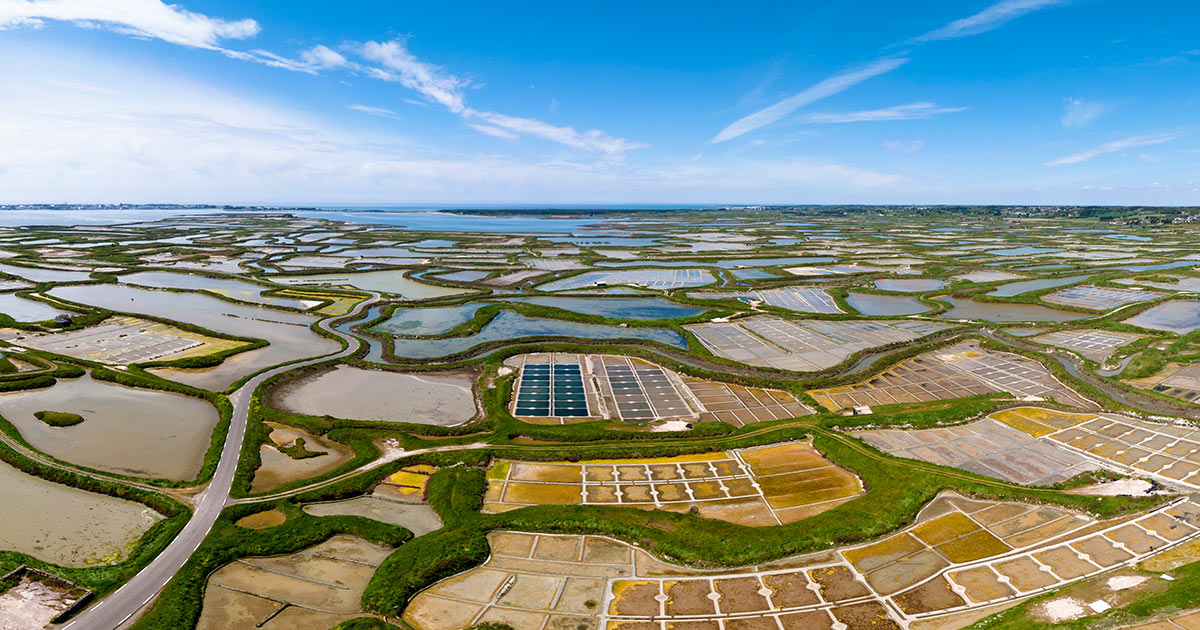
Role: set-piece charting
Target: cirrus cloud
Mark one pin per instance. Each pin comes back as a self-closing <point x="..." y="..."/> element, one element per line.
<point x="912" y="111"/>
<point x="822" y="89"/>
<point x="141" y="18"/>
<point x="1115" y="146"/>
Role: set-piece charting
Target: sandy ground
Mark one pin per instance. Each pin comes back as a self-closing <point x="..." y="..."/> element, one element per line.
<point x="1119" y="488"/>
<point x="31" y="605"/>
<point x="1061" y="609"/>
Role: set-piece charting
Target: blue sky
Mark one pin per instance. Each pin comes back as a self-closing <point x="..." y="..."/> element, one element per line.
<point x="856" y="101"/>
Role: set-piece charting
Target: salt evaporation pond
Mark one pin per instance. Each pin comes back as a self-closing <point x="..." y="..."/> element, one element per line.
<point x="385" y="281"/>
<point x="27" y="310"/>
<point x="1007" y="312"/>
<point x="910" y="285"/>
<point x="1025" y="286"/>
<point x="236" y="289"/>
<point x="39" y="274"/>
<point x="379" y="395"/>
<point x="1177" y="316"/>
<point x="67" y="526"/>
<point x="287" y="332"/>
<point x="616" y="308"/>
<point x="436" y="320"/>
<point x="509" y="325"/>
<point x="126" y="430"/>
<point x="871" y="304"/>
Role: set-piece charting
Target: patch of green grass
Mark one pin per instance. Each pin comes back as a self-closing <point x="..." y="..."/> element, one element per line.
<point x="297" y="450"/>
<point x="178" y="606"/>
<point x="58" y="418"/>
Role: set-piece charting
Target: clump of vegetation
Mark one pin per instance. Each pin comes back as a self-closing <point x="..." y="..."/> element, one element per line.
<point x="297" y="450"/>
<point x="59" y="418"/>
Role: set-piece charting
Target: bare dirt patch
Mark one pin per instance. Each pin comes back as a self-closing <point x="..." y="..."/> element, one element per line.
<point x="262" y="520"/>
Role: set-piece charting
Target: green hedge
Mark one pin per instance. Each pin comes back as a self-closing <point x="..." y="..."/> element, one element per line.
<point x="179" y="605"/>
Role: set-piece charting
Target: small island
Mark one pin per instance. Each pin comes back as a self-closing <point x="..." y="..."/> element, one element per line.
<point x="298" y="450"/>
<point x="59" y="418"/>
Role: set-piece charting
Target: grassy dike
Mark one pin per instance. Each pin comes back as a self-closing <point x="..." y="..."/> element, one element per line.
<point x="897" y="491"/>
<point x="101" y="579"/>
<point x="129" y="379"/>
<point x="179" y="604"/>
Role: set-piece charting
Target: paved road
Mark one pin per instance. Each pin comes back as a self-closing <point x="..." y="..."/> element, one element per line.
<point x="115" y="609"/>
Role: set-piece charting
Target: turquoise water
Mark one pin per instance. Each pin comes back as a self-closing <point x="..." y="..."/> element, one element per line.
<point x="1171" y="265"/>
<point x="870" y="304"/>
<point x="1025" y="286"/>
<point x="605" y="241"/>
<point x="10" y="218"/>
<point x="287" y="332"/>
<point x="995" y="312"/>
<point x="446" y="222"/>
<point x="509" y="325"/>
<point x="431" y="243"/>
<point x="384" y="281"/>
<point x="617" y="308"/>
<point x="428" y="321"/>
<point x="910" y="285"/>
<point x="466" y="275"/>
<point x="1177" y="316"/>
<point x="1022" y="251"/>
<point x="377" y="252"/>
<point x="26" y="310"/>
<point x="752" y="274"/>
<point x="374" y="347"/>
<point x="38" y="274"/>
<point x="1127" y="237"/>
<point x="724" y="264"/>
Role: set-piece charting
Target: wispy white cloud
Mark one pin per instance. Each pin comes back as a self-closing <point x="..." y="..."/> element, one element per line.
<point x="397" y="63"/>
<point x="1114" y="146"/>
<point x="591" y="140"/>
<point x="323" y="57"/>
<point x="912" y="111"/>
<point x="1183" y="55"/>
<point x="1078" y="112"/>
<point x="382" y="112"/>
<point x="79" y="86"/>
<point x="494" y="131"/>
<point x="990" y="18"/>
<point x="156" y="137"/>
<point x="816" y="171"/>
<point x="986" y="20"/>
<point x="141" y="18"/>
<point x="387" y="61"/>
<point x="400" y="65"/>
<point x="910" y="146"/>
<point x="816" y="92"/>
<point x="311" y="61"/>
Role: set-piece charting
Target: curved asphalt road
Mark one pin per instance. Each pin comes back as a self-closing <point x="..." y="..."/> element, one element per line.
<point x="114" y="610"/>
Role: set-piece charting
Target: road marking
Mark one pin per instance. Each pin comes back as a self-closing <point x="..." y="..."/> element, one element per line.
<point x="204" y="510"/>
